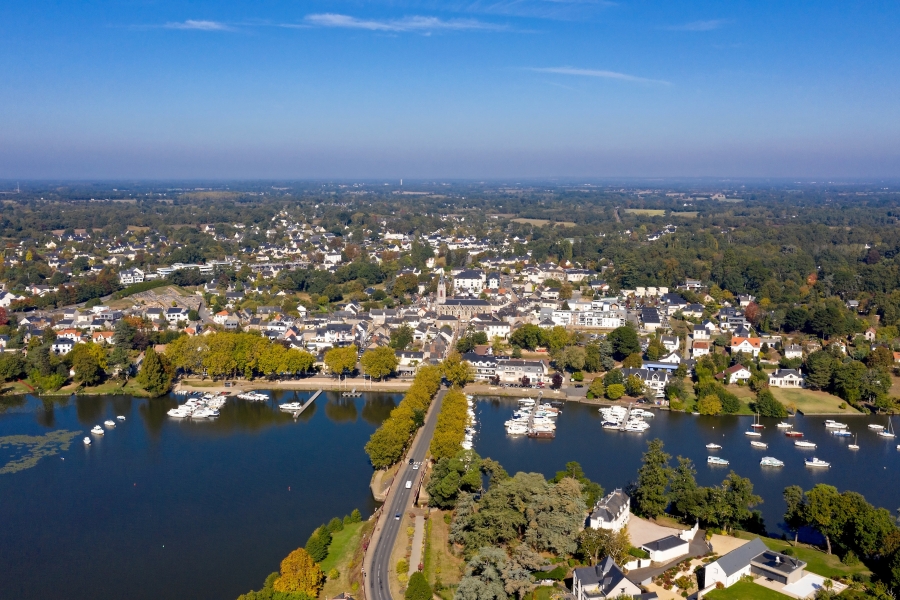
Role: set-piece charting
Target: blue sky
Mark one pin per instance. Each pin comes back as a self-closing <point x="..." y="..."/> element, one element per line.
<point x="477" y="89"/>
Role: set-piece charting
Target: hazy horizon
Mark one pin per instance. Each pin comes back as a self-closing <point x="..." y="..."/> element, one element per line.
<point x="533" y="89"/>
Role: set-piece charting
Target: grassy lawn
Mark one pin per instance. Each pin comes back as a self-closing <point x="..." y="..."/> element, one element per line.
<point x="542" y="222"/>
<point x="811" y="402"/>
<point x="744" y="591"/>
<point x="817" y="561"/>
<point x="649" y="212"/>
<point x="108" y="388"/>
<point x="545" y="592"/>
<point x="16" y="387"/>
<point x="345" y="554"/>
<point x="688" y="214"/>
<point x="440" y="564"/>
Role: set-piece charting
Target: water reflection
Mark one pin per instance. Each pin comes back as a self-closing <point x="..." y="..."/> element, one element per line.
<point x="341" y="410"/>
<point x="378" y="407"/>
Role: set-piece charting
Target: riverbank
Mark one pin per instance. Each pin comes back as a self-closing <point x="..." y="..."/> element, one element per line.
<point x="310" y="383"/>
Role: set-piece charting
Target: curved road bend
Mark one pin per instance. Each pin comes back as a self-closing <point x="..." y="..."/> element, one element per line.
<point x="398" y="501"/>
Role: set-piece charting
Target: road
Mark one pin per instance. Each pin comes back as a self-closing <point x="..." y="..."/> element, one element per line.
<point x="398" y="501"/>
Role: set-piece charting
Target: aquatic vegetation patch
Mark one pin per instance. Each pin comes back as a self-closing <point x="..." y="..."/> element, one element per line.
<point x="27" y="450"/>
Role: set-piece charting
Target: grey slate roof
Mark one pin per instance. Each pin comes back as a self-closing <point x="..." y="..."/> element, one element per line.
<point x="609" y="507"/>
<point x="605" y="575"/>
<point x="739" y="558"/>
<point x="666" y="543"/>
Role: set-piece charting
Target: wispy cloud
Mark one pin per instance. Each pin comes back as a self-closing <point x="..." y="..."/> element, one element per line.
<point x="709" y="25"/>
<point x="199" y="25"/>
<point x="405" y="24"/>
<point x="596" y="73"/>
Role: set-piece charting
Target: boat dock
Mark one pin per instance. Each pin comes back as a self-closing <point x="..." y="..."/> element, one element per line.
<point x="307" y="403"/>
<point x="351" y="394"/>
<point x="624" y="422"/>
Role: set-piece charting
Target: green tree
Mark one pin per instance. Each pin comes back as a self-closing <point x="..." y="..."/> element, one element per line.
<point x="848" y="380"/>
<point x="86" y="364"/>
<point x="709" y="405"/>
<point x="456" y="370"/>
<point x="527" y="336"/>
<point x="768" y="406"/>
<point x="418" y="588"/>
<point x="634" y="386"/>
<point x="633" y="361"/>
<point x="819" y="369"/>
<point x="795" y="516"/>
<point x="615" y="391"/>
<point x="318" y="543"/>
<point x="596" y="389"/>
<point x="379" y="362"/>
<point x="624" y="341"/>
<point x="401" y="337"/>
<point x="468" y="342"/>
<point x="341" y="360"/>
<point x="155" y="376"/>
<point x="653" y="477"/>
<point x="822" y="512"/>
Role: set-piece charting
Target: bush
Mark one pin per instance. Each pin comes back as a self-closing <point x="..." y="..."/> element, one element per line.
<point x="418" y="588"/>
<point x="578" y="376"/>
<point x="333" y="574"/>
<point x="850" y="558"/>
<point x="615" y="391"/>
<point x="402" y="567"/>
<point x="788" y="551"/>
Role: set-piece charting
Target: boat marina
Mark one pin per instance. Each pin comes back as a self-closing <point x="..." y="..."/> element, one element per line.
<point x="533" y="419"/>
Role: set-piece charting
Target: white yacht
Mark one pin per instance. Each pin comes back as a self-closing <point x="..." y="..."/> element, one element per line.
<point x="120" y="418"/>
<point x="713" y="447"/>
<point x="854" y="445"/>
<point x="715" y="460"/>
<point x="516" y="429"/>
<point x="756" y="444"/>
<point x="784" y="425"/>
<point x="97" y="430"/>
<point x="636" y="426"/>
<point x="290" y="406"/>
<point x="770" y="461"/>
<point x="87" y="441"/>
<point x="832" y="424"/>
<point x="815" y="462"/>
<point x="109" y="423"/>
<point x="803" y="444"/>
<point x="753" y="433"/>
<point x="180" y="413"/>
<point x="876" y="426"/>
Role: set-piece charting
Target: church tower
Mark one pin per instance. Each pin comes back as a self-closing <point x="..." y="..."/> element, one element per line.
<point x="441" y="290"/>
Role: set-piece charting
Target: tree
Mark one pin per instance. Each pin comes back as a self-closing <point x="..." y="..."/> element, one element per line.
<point x="880" y="357"/>
<point x="555" y="338"/>
<point x="594" y="544"/>
<point x="821" y="511"/>
<point x="570" y="357"/>
<point x="86" y="363"/>
<point x="468" y="342"/>
<point x="555" y="517"/>
<point x="633" y="361"/>
<point x="341" y="360"/>
<point x="596" y="389"/>
<point x="527" y="336"/>
<point x="379" y="362"/>
<point x="709" y="405"/>
<point x="653" y="477"/>
<point x="592" y="491"/>
<point x="318" y="543"/>
<point x="615" y="391"/>
<point x="794" y="516"/>
<point x="624" y="341"/>
<point x="819" y="368"/>
<point x="418" y="588"/>
<point x="768" y="406"/>
<point x="875" y="384"/>
<point x="456" y="370"/>
<point x="299" y="573"/>
<point x="401" y="337"/>
<point x="847" y="380"/>
<point x="738" y="500"/>
<point x="124" y="334"/>
<point x="155" y="375"/>
<point x="634" y="386"/>
<point x="683" y="488"/>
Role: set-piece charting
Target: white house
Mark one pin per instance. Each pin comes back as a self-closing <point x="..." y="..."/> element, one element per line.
<point x="735" y="374"/>
<point x="786" y="378"/>
<point x="670" y="342"/>
<point x="471" y="281"/>
<point x="130" y="276"/>
<point x="667" y="549"/>
<point x="220" y="317"/>
<point x="62" y="345"/>
<point x="611" y="512"/>
<point x="176" y="313"/>
<point x="700" y="348"/>
<point x="753" y="558"/>
<point x="512" y="371"/>
<point x="746" y="345"/>
<point x="605" y="580"/>
<point x="793" y="351"/>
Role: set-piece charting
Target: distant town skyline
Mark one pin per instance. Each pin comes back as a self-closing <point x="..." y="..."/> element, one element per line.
<point x="419" y="89"/>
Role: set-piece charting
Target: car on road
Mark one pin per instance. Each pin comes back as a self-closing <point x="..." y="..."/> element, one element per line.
<point x="408" y="484"/>
<point x="411" y="461"/>
<point x="397" y="517"/>
<point x="416" y="467"/>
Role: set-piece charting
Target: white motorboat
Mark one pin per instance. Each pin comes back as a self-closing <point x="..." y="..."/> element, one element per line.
<point x="876" y="427"/>
<point x="639" y="427"/>
<point x="889" y="432"/>
<point x="770" y="461"/>
<point x="756" y="444"/>
<point x="180" y="413"/>
<point x="713" y="447"/>
<point x="290" y="406"/>
<point x="611" y="425"/>
<point x="804" y="444"/>
<point x="87" y="441"/>
<point x="715" y="460"/>
<point x="815" y="462"/>
<point x="516" y="429"/>
<point x="832" y="424"/>
<point x="97" y="430"/>
<point x="854" y="445"/>
<point x="784" y="425"/>
<point x="753" y="433"/>
<point x="109" y="423"/>
<point x="121" y="417"/>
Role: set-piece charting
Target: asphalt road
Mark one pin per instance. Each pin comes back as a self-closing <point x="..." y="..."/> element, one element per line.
<point x="398" y="502"/>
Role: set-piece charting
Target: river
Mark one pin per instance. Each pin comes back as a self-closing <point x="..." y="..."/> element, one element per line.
<point x="612" y="458"/>
<point x="162" y="508"/>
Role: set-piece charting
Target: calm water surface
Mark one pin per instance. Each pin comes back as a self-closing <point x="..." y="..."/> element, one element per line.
<point x="612" y="458"/>
<point x="161" y="508"/>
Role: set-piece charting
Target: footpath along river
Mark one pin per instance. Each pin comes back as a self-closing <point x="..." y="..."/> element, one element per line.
<point x="161" y="508"/>
<point x="612" y="458"/>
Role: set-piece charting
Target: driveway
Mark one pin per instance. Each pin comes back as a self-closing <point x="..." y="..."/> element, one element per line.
<point x="643" y="531"/>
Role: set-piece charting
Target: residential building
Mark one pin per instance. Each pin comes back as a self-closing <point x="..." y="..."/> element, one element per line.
<point x="753" y="558"/>
<point x="605" y="580"/>
<point x="793" y="351"/>
<point x="786" y="378"/>
<point x="512" y="371"/>
<point x="734" y="374"/>
<point x="667" y="549"/>
<point x="747" y="345"/>
<point x="611" y="512"/>
<point x="131" y="276"/>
